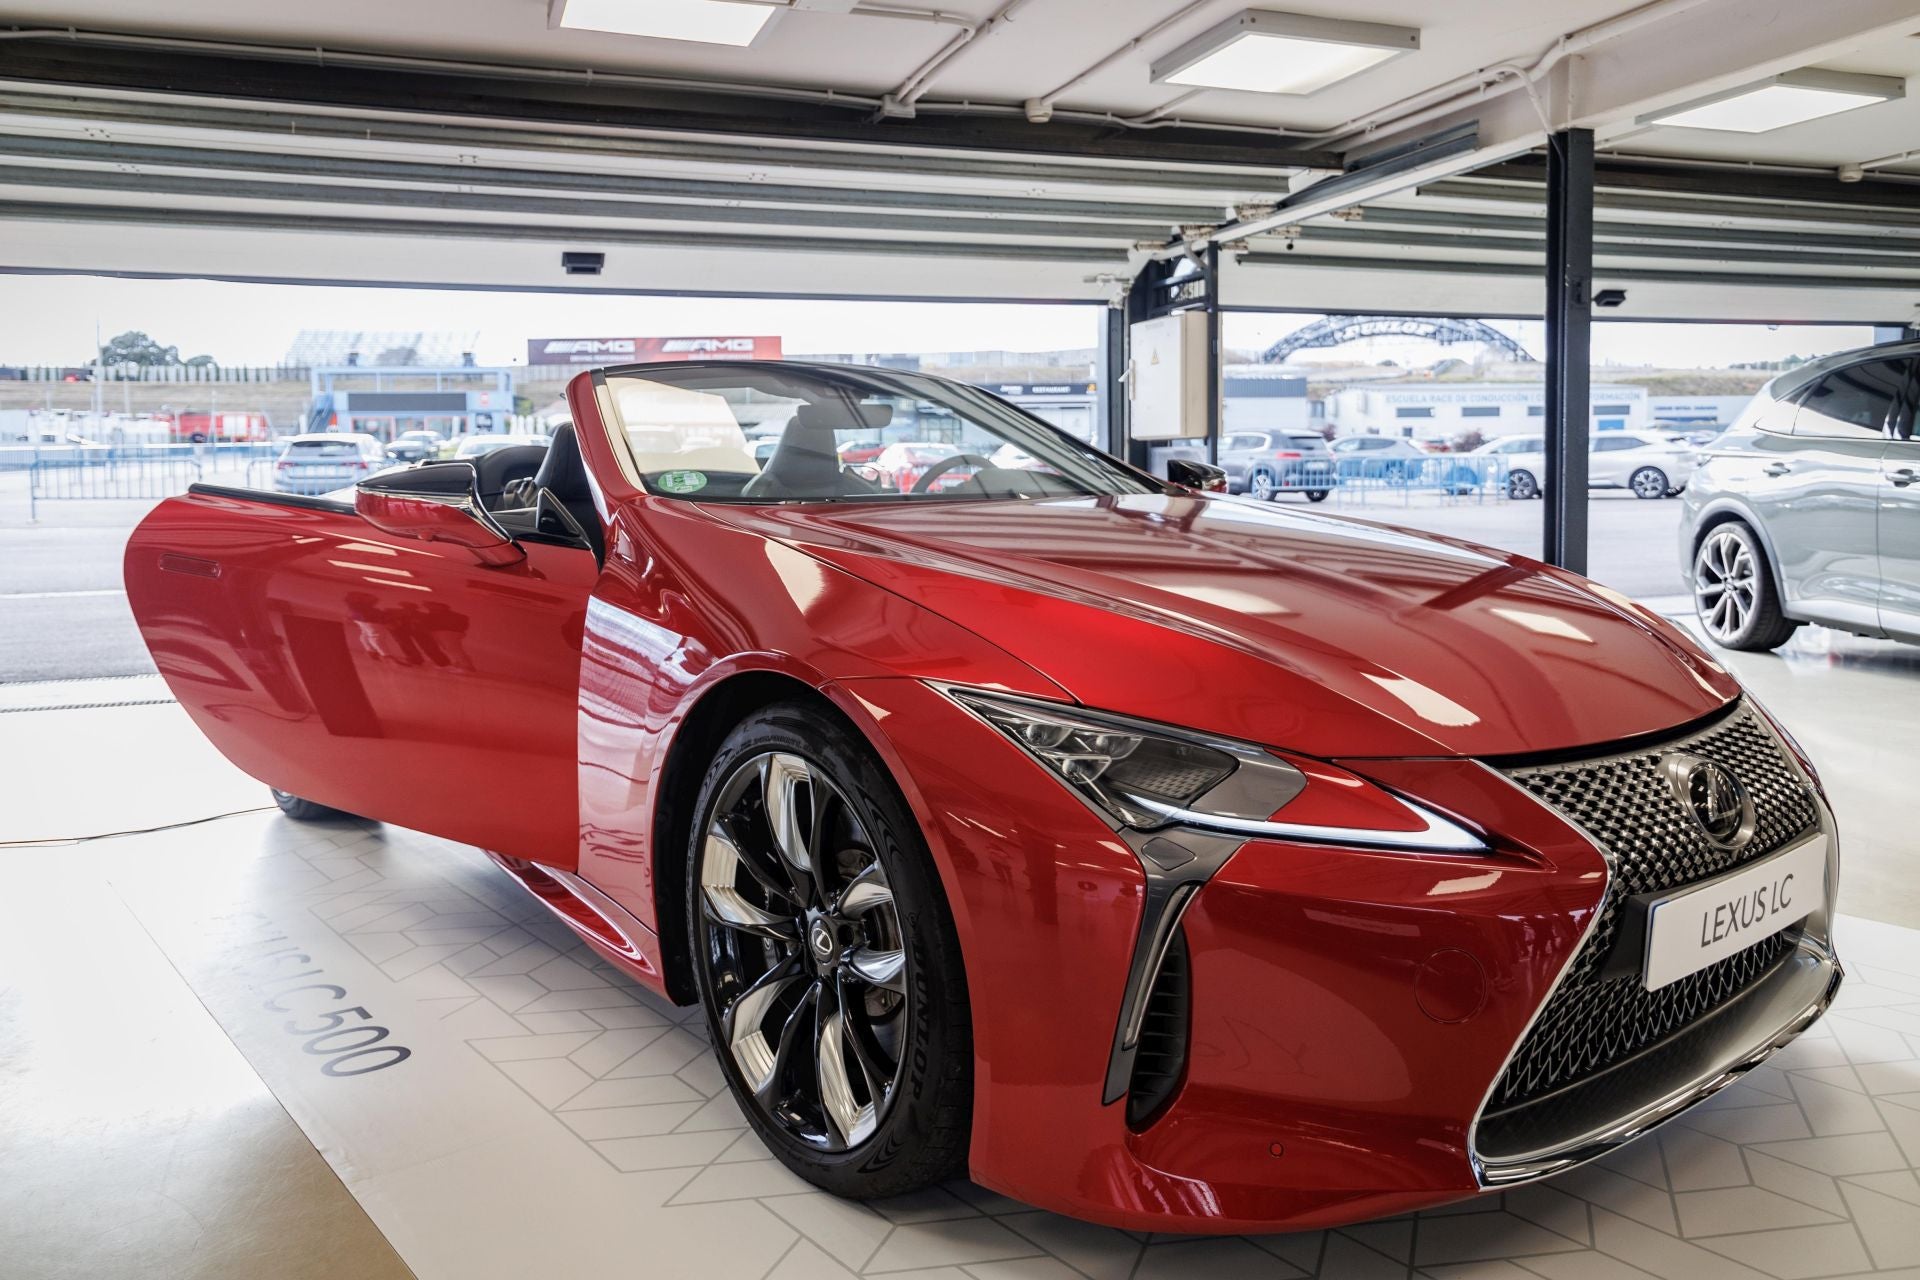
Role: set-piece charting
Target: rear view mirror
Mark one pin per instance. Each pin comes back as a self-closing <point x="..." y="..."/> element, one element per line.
<point x="437" y="502"/>
<point x="1197" y="475"/>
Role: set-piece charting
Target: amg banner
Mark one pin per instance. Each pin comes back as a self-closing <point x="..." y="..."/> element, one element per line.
<point x="599" y="351"/>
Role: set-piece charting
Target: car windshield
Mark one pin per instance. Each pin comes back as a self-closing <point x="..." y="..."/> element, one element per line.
<point x="685" y="428"/>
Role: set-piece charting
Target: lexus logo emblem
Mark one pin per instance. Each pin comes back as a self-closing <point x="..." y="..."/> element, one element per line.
<point x="1718" y="803"/>
<point x="821" y="939"/>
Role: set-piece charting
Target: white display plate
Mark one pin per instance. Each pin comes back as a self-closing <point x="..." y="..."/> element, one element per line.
<point x="1689" y="931"/>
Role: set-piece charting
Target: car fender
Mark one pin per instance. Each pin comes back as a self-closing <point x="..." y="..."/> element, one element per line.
<point x="687" y="609"/>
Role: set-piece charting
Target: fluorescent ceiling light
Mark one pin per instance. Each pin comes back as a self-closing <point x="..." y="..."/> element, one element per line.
<point x="731" y="22"/>
<point x="1261" y="51"/>
<point x="1790" y="98"/>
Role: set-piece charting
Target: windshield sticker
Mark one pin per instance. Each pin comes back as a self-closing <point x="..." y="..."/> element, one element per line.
<point x="683" y="481"/>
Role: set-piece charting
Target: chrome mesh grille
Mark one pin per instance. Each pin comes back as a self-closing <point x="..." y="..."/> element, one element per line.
<point x="1624" y="803"/>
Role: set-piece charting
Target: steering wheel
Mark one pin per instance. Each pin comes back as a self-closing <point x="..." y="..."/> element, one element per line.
<point x="940" y="468"/>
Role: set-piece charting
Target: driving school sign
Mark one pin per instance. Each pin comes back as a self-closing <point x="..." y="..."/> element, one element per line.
<point x="591" y="352"/>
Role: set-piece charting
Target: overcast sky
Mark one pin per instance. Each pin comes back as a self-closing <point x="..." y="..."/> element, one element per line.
<point x="52" y="320"/>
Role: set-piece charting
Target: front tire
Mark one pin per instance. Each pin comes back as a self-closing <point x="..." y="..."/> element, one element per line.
<point x="305" y="810"/>
<point x="1521" y="486"/>
<point x="827" y="960"/>
<point x="1649" y="482"/>
<point x="1260" y="485"/>
<point x="1734" y="594"/>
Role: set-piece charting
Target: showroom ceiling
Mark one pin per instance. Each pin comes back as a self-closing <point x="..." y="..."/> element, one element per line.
<point x="892" y="154"/>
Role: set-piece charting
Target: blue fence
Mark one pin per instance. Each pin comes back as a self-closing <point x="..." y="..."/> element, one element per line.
<point x="1465" y="476"/>
<point x="67" y="473"/>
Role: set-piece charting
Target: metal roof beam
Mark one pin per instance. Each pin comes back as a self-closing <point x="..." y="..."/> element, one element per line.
<point x="305" y="164"/>
<point x="268" y="75"/>
<point x="107" y="180"/>
<point x="575" y="236"/>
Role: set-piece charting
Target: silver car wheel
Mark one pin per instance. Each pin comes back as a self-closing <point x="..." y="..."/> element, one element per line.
<point x="1260" y="486"/>
<point x="1650" y="482"/>
<point x="1725" y="584"/>
<point x="804" y="951"/>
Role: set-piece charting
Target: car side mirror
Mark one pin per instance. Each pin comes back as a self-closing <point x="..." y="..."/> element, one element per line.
<point x="1197" y="475"/>
<point x="436" y="502"/>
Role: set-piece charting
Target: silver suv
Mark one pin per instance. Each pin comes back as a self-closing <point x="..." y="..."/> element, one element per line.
<point x="1807" y="509"/>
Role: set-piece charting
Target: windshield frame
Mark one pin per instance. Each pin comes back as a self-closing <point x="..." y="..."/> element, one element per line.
<point x="964" y="401"/>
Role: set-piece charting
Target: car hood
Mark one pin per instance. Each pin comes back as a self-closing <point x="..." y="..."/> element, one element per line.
<point x="1330" y="636"/>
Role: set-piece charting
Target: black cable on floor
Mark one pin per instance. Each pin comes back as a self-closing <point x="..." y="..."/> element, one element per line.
<point x="138" y="831"/>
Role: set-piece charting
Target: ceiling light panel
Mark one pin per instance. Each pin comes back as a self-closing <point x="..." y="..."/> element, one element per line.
<point x="729" y="22"/>
<point x="1261" y="51"/>
<point x="1778" y="102"/>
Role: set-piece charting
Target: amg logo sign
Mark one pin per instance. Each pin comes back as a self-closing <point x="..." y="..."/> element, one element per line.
<point x="594" y="352"/>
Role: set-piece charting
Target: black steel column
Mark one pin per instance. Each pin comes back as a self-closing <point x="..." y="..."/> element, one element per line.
<point x="1212" y="263"/>
<point x="1110" y="432"/>
<point x="1569" y="416"/>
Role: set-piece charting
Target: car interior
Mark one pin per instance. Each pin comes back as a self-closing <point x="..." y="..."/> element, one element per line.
<point x="542" y="490"/>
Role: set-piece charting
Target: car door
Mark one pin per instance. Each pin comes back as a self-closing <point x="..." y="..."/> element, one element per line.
<point x="1897" y="521"/>
<point x="392" y="678"/>
<point x="1819" y="496"/>
<point x="1611" y="460"/>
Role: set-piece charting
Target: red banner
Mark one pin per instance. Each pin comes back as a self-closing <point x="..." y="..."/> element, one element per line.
<point x="592" y="352"/>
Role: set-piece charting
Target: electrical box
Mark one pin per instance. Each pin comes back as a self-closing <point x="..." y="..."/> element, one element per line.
<point x="1167" y="377"/>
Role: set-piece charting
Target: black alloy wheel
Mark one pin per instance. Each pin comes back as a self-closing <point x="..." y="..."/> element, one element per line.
<point x="827" y="959"/>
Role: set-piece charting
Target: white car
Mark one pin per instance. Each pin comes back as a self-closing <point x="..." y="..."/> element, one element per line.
<point x="477" y="445"/>
<point x="1508" y="446"/>
<point x="324" y="461"/>
<point x="1650" y="464"/>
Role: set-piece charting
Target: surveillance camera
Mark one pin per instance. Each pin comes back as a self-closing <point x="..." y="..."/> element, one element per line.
<point x="1609" y="297"/>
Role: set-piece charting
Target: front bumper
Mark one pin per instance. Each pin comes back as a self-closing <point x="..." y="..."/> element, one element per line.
<point x="1348" y="1011"/>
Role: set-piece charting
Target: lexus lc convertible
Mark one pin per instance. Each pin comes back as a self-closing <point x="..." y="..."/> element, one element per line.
<point x="1159" y="857"/>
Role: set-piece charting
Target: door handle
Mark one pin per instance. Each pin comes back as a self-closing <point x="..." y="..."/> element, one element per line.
<point x="1779" y="468"/>
<point x="1903" y="477"/>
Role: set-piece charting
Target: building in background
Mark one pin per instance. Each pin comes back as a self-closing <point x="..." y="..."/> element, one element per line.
<point x="1444" y="412"/>
<point x="1262" y="398"/>
<point x="313" y="348"/>
<point x="385" y="402"/>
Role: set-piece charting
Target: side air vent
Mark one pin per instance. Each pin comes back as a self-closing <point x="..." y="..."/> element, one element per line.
<point x="1161" y="1058"/>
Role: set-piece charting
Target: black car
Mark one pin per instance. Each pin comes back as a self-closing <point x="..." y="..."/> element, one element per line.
<point x="415" y="446"/>
<point x="1264" y="464"/>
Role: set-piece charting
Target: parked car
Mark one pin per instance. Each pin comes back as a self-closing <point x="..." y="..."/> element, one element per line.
<point x="1376" y="457"/>
<point x="861" y="450"/>
<point x="902" y="466"/>
<point x="1807" y="509"/>
<point x="1649" y="463"/>
<point x="321" y="463"/>
<point x="474" y="446"/>
<point x="1100" y="837"/>
<point x="415" y="446"/>
<point x="1263" y="464"/>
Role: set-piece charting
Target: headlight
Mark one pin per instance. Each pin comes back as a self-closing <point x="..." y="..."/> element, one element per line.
<point x="1148" y="776"/>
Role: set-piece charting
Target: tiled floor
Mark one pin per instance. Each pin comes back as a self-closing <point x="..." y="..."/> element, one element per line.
<point x="551" y="1117"/>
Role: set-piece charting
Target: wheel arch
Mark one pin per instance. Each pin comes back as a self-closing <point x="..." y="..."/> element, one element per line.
<point x="696" y="738"/>
<point x="1726" y="511"/>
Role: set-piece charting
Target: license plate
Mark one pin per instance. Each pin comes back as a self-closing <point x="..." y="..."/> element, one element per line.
<point x="1691" y="930"/>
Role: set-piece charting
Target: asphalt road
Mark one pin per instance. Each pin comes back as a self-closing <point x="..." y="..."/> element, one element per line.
<point x="63" y="613"/>
<point x="1631" y="542"/>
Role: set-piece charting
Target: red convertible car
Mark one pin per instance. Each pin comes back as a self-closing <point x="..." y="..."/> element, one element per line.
<point x="1170" y="860"/>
